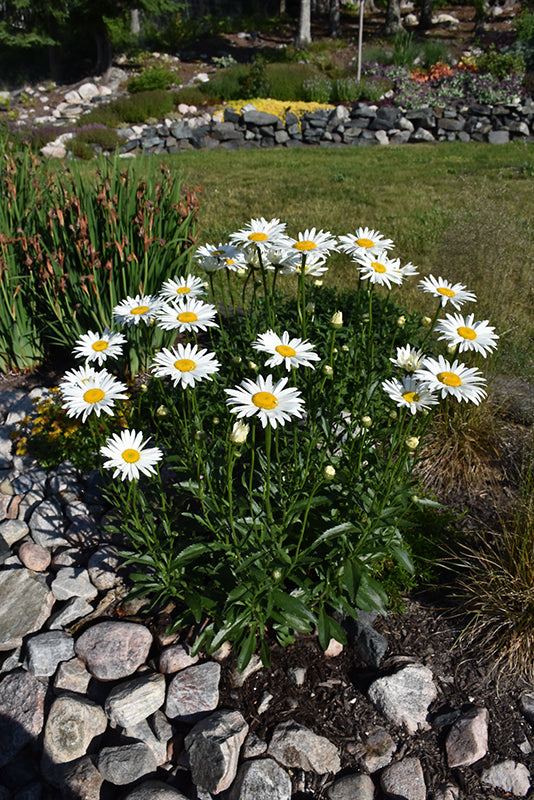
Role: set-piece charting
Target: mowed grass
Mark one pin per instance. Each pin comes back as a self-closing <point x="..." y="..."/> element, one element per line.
<point x="464" y="211"/>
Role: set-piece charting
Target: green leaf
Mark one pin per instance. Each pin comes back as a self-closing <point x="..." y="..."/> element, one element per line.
<point x="246" y="650"/>
<point x="323" y="628"/>
<point x="352" y="572"/>
<point x="371" y="596"/>
<point x="403" y="558"/>
<point x="344" y="527"/>
<point x="296" y="614"/>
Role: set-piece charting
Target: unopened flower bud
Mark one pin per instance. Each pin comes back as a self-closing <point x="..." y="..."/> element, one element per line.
<point x="143" y="388"/>
<point x="345" y="348"/>
<point x="337" y="319"/>
<point x="393" y="415"/>
<point x="426" y="321"/>
<point x="310" y="308"/>
<point x="328" y="371"/>
<point x="401" y="321"/>
<point x="201" y="436"/>
<point x="162" y="411"/>
<point x="241" y="272"/>
<point x="415" y="498"/>
<point x="253" y="366"/>
<point x="412" y="442"/>
<point x="318" y="282"/>
<point x="451" y="348"/>
<point x="236" y="361"/>
<point x="239" y="432"/>
<point x="277" y="574"/>
<point x="216" y="420"/>
<point x="329" y="472"/>
<point x="335" y="351"/>
<point x="366" y="422"/>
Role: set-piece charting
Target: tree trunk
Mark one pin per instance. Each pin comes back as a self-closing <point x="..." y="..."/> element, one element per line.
<point x="135" y="25"/>
<point x="425" y="20"/>
<point x="393" y="18"/>
<point x="104" y="53"/>
<point x="304" y="34"/>
<point x="282" y="9"/>
<point x="334" y="21"/>
<point x="369" y="7"/>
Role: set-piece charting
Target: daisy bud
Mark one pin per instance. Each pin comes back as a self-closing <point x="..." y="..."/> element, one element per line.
<point x="201" y="436"/>
<point x="162" y="411"/>
<point x="393" y="415"/>
<point x="241" y="272"/>
<point x="451" y="348"/>
<point x="328" y="371"/>
<point x="415" y="498"/>
<point x="239" y="432"/>
<point x="335" y="351"/>
<point x="366" y="422"/>
<point x="329" y="472"/>
<point x="345" y="348"/>
<point x="277" y="574"/>
<point x="143" y="387"/>
<point x="318" y="283"/>
<point x="252" y="365"/>
<point x="216" y="420"/>
<point x="412" y="442"/>
<point x="337" y="319"/>
<point x="236" y="361"/>
<point x="310" y="308"/>
<point x="401" y="322"/>
<point x="426" y="321"/>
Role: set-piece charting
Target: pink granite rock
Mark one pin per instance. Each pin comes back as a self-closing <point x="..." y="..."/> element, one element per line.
<point x="114" y="650"/>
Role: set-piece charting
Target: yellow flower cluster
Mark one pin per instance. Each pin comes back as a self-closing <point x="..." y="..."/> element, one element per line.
<point x="278" y="107"/>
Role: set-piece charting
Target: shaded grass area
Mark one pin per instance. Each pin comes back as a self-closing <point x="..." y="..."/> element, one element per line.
<point x="460" y="210"/>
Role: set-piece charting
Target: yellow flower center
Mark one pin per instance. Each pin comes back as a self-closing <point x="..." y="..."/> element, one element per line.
<point x="183" y="290"/>
<point x="305" y="244"/>
<point x="466" y="333"/>
<point x="100" y="345"/>
<point x="258" y="237"/>
<point x="131" y="455"/>
<point x="94" y="395"/>
<point x="187" y="316"/>
<point x="410" y="397"/>
<point x="446" y="292"/>
<point x="378" y="267"/>
<point x="184" y="364"/>
<point x="365" y="242"/>
<point x="285" y="350"/>
<point x="229" y="262"/>
<point x="449" y="379"/>
<point x="140" y="310"/>
<point x="264" y="400"/>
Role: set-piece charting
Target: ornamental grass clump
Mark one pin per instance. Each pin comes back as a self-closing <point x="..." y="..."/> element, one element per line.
<point x="71" y="248"/>
<point x="263" y="466"/>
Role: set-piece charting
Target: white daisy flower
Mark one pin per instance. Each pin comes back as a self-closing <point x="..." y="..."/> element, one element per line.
<point x="214" y="257"/>
<point x="134" y="309"/>
<point x="78" y="376"/>
<point x="408" y="358"/>
<point x="291" y="352"/>
<point x="265" y="234"/>
<point x="281" y="258"/>
<point x="176" y="288"/>
<point x="364" y="241"/>
<point x="128" y="455"/>
<point x="96" y="393"/>
<point x="410" y="393"/>
<point x="187" y="315"/>
<point x="313" y="242"/>
<point x="314" y="265"/>
<point x="380" y="269"/>
<point x="467" y="334"/>
<point x="275" y="405"/>
<point x="408" y="270"/>
<point x="452" y="379"/>
<point x="98" y="347"/>
<point x="185" y="364"/>
<point x="455" y="293"/>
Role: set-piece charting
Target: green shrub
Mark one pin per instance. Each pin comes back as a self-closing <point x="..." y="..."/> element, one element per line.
<point x="226" y="83"/>
<point x="282" y="81"/>
<point x="81" y="149"/>
<point x="256" y="83"/>
<point x="347" y="90"/>
<point x="405" y="49"/>
<point x="500" y="64"/>
<point x="318" y="89"/>
<point x="132" y="110"/>
<point x="433" y="52"/>
<point x="524" y="25"/>
<point x="190" y="95"/>
<point x="152" y="79"/>
<point x="106" y="138"/>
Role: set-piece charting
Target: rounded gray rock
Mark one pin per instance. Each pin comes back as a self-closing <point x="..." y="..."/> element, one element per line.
<point x="135" y="700"/>
<point x="352" y="787"/>
<point x="25" y="604"/>
<point x="46" y="650"/>
<point x="113" y="650"/>
<point x="154" y="790"/>
<point x="213" y="746"/>
<point x="22" y="699"/>
<point x="261" y="779"/>
<point x="126" y="763"/>
<point x="193" y="692"/>
<point x="404" y="697"/>
<point x="294" y="745"/>
<point x="73" y="725"/>
<point x="508" y="776"/>
<point x="404" y="780"/>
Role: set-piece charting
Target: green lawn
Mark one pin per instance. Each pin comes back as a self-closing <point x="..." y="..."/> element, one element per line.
<point x="464" y="211"/>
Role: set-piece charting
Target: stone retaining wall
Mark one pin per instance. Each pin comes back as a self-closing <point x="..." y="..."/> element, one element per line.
<point x="363" y="125"/>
